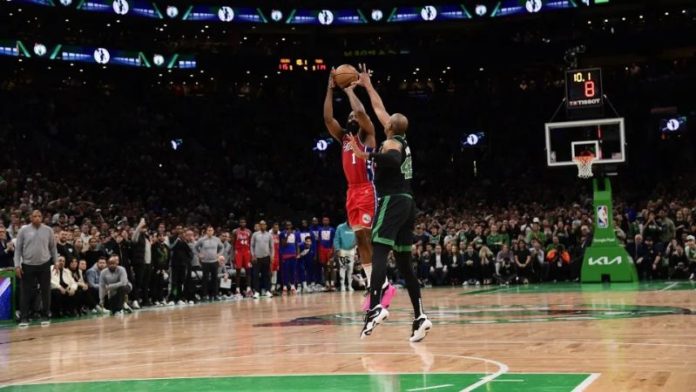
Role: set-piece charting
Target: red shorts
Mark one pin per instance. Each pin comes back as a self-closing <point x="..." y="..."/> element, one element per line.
<point x="242" y="258"/>
<point x="275" y="263"/>
<point x="325" y="254"/>
<point x="360" y="205"/>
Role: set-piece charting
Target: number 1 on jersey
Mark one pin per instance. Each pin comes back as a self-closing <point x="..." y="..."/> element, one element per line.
<point x="354" y="158"/>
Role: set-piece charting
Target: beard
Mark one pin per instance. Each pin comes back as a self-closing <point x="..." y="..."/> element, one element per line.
<point x="352" y="127"/>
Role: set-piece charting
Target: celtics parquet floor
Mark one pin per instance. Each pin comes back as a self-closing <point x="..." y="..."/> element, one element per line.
<point x="551" y="337"/>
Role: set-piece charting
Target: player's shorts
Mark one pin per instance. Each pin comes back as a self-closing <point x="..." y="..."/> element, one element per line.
<point x="275" y="263"/>
<point x="396" y="216"/>
<point x="242" y="259"/>
<point x="360" y="205"/>
<point x="325" y="254"/>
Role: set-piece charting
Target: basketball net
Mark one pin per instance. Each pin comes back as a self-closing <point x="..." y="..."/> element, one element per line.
<point x="584" y="163"/>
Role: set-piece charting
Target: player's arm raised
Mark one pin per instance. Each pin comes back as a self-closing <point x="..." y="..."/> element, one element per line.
<point x="366" y="125"/>
<point x="377" y="104"/>
<point x="331" y="124"/>
<point x="390" y="156"/>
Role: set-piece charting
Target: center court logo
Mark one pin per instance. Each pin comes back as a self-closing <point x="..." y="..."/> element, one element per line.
<point x="504" y="314"/>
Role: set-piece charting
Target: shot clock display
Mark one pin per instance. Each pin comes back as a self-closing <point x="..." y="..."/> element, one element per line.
<point x="584" y="88"/>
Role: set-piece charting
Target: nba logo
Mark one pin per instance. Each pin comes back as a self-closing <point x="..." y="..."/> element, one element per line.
<point x="602" y="217"/>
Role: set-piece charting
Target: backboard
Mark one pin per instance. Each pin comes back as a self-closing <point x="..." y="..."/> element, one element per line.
<point x="604" y="138"/>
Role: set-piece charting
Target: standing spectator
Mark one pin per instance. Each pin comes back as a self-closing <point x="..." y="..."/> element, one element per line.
<point x="181" y="263"/>
<point x="558" y="259"/>
<point x="344" y="245"/>
<point x="92" y="279"/>
<point x="160" y="264"/>
<point x="523" y="261"/>
<point x="652" y="228"/>
<point x="289" y="251"/>
<point x="15" y="225"/>
<point x="113" y="287"/>
<point x="669" y="230"/>
<point x="142" y="264"/>
<point x="227" y="249"/>
<point x="262" y="249"/>
<point x="34" y="253"/>
<point x="209" y="250"/>
<point x="65" y="248"/>
<point x="93" y="252"/>
<point x="118" y="245"/>
<point x="62" y="290"/>
<point x="535" y="233"/>
<point x="6" y="249"/>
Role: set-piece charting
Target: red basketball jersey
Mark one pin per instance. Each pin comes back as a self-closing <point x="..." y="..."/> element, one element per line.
<point x="356" y="170"/>
<point x="242" y="239"/>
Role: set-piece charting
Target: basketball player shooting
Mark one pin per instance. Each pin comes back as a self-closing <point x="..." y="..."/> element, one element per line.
<point x="361" y="198"/>
<point x="396" y="213"/>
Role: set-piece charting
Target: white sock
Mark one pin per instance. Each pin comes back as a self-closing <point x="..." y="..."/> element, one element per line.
<point x="368" y="272"/>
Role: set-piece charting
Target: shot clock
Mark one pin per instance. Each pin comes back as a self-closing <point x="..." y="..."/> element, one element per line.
<point x="584" y="88"/>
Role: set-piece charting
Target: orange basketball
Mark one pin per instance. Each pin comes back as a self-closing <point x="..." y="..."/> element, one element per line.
<point x="345" y="75"/>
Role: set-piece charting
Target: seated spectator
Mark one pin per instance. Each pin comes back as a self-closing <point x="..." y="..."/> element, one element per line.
<point x="487" y="259"/>
<point x="80" y="300"/>
<point x="505" y="270"/>
<point x="92" y="279"/>
<point x="678" y="263"/>
<point x="690" y="252"/>
<point x="439" y="266"/>
<point x="471" y="266"/>
<point x="6" y="249"/>
<point x="424" y="263"/>
<point x="63" y="289"/>
<point x="650" y="263"/>
<point x="504" y="254"/>
<point x="113" y="287"/>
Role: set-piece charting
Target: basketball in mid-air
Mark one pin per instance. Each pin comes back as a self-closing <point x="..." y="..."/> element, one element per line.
<point x="345" y="75"/>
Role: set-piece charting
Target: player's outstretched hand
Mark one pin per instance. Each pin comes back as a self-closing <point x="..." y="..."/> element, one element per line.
<point x="332" y="83"/>
<point x="356" y="150"/>
<point x="363" y="76"/>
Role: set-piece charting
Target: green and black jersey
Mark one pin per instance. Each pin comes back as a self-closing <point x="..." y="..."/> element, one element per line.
<point x="396" y="211"/>
<point x="393" y="181"/>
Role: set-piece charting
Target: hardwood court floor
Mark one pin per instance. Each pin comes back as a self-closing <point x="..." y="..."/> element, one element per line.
<point x="563" y="337"/>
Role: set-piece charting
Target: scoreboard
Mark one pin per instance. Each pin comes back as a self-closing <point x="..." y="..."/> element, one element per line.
<point x="584" y="88"/>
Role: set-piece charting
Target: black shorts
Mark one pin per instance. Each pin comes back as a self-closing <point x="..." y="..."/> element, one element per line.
<point x="396" y="216"/>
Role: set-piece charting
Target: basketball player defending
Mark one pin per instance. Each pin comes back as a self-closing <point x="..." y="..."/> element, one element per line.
<point x="361" y="197"/>
<point x="241" y="238"/>
<point x="396" y="213"/>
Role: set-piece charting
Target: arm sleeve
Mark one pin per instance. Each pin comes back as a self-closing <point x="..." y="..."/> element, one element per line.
<point x="53" y="248"/>
<point x="102" y="286"/>
<point x="253" y="244"/>
<point x="18" y="249"/>
<point x="337" y="241"/>
<point x="391" y="158"/>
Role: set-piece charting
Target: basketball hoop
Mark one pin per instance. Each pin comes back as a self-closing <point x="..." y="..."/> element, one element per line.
<point x="584" y="163"/>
